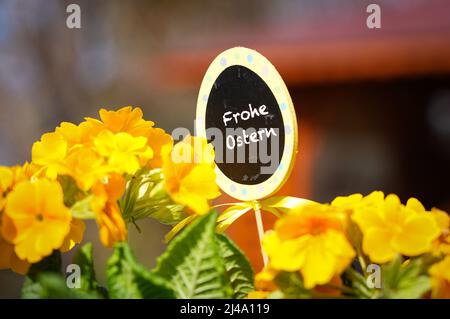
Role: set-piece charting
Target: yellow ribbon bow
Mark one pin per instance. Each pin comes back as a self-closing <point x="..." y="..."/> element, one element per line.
<point x="277" y="205"/>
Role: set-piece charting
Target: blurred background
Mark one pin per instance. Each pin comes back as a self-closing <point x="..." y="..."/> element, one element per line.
<point x="373" y="105"/>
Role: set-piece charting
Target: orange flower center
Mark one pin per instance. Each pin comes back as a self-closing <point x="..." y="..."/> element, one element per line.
<point x="318" y="226"/>
<point x="39" y="217"/>
<point x="317" y="229"/>
<point x="297" y="226"/>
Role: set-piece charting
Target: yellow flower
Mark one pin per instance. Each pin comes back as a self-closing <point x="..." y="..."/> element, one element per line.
<point x="189" y="175"/>
<point x="389" y="228"/>
<point x="157" y="139"/>
<point x="440" y="279"/>
<point x="86" y="167"/>
<point x="109" y="189"/>
<point x="264" y="280"/>
<point x="76" y="135"/>
<point x="50" y="153"/>
<point x="75" y="235"/>
<point x="442" y="219"/>
<point x="6" y="180"/>
<point x="9" y="259"/>
<point x="312" y="241"/>
<point x="11" y="176"/>
<point x="125" y="153"/>
<point x="126" y="120"/>
<point x="112" y="227"/>
<point x="114" y="187"/>
<point x="35" y="219"/>
<point x="26" y="172"/>
<point x="258" y="294"/>
<point x="442" y="244"/>
<point x="71" y="133"/>
<point x="129" y="120"/>
<point x="348" y="204"/>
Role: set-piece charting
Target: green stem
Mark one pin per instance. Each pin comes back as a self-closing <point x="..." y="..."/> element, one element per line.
<point x="362" y="262"/>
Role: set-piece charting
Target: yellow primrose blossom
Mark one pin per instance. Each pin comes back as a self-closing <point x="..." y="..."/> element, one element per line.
<point x="348" y="204"/>
<point x="442" y="219"/>
<point x="6" y="180"/>
<point x="112" y="227"/>
<point x="126" y="119"/>
<point x="125" y="153"/>
<point x="71" y="133"/>
<point x="189" y="175"/>
<point x="264" y="280"/>
<point x="441" y="246"/>
<point x="26" y="172"/>
<point x="75" y="235"/>
<point x="109" y="189"/>
<point x="312" y="241"/>
<point x="114" y="187"/>
<point x="11" y="176"/>
<point x="9" y="259"/>
<point x="50" y="153"/>
<point x="77" y="135"/>
<point x="258" y="294"/>
<point x="35" y="219"/>
<point x="157" y="138"/>
<point x="389" y="228"/>
<point x="86" y="167"/>
<point x="440" y="279"/>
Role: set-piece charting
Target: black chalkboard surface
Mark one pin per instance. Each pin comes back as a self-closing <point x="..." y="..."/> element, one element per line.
<point x="241" y="101"/>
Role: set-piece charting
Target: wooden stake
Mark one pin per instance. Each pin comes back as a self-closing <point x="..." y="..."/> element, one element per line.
<point x="260" y="226"/>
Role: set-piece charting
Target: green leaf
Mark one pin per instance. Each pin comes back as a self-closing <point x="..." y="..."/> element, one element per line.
<point x="291" y="286"/>
<point x="237" y="268"/>
<point x="71" y="191"/>
<point x="405" y="281"/>
<point x="84" y="259"/>
<point x="358" y="282"/>
<point x="129" y="279"/>
<point x="157" y="204"/>
<point x="390" y="272"/>
<point x="82" y="208"/>
<point x="166" y="213"/>
<point x="412" y="289"/>
<point x="53" y="286"/>
<point x="146" y="196"/>
<point x="31" y="288"/>
<point x="192" y="262"/>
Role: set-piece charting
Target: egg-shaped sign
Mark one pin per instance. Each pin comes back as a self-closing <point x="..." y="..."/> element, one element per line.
<point x="244" y="109"/>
